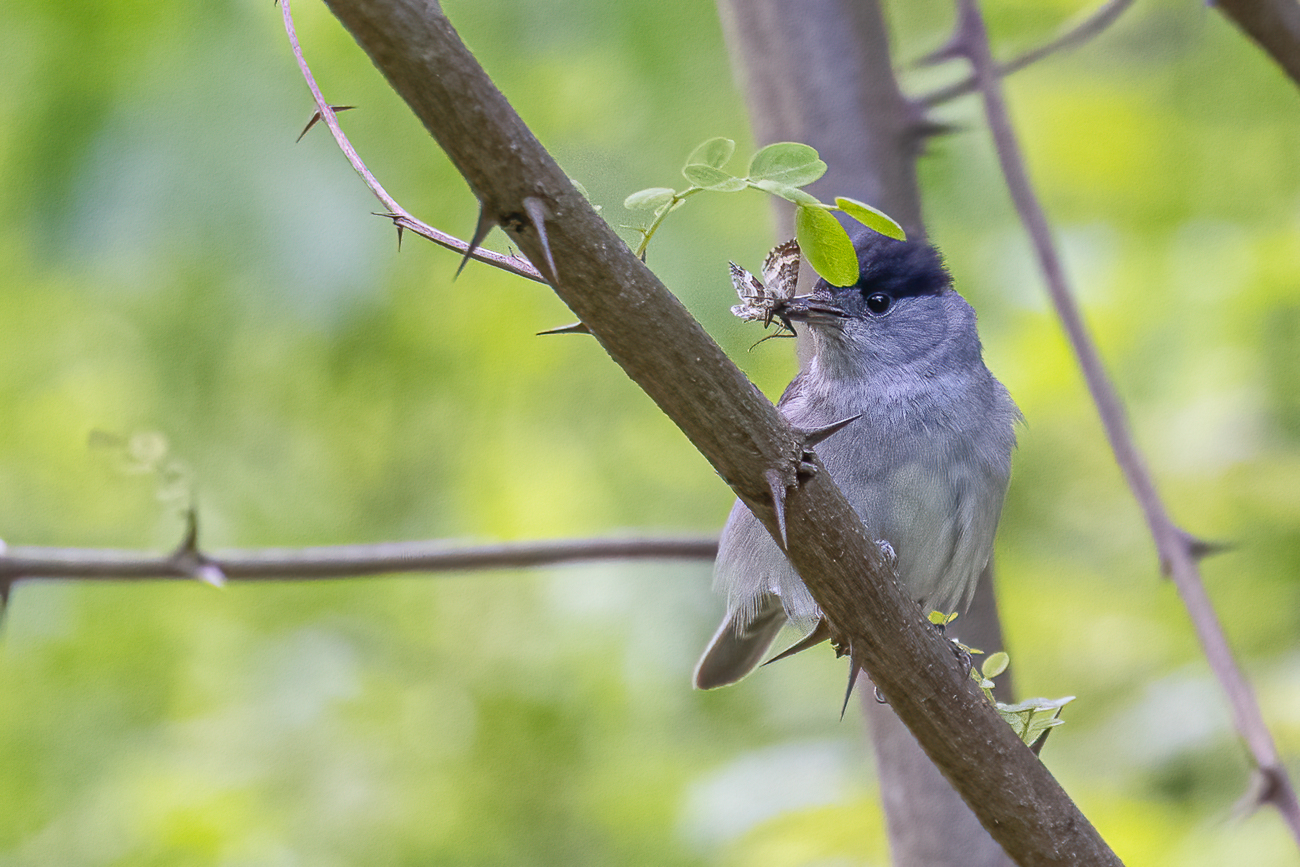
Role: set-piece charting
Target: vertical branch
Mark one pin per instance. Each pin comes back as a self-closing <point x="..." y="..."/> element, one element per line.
<point x="1178" y="551"/>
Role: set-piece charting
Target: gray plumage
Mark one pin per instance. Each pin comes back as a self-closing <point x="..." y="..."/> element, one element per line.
<point x="925" y="466"/>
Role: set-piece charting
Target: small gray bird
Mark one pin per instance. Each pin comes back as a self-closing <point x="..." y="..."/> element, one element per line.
<point x="925" y="465"/>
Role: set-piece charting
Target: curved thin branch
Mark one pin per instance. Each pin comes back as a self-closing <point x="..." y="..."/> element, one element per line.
<point x="1177" y="549"/>
<point x="20" y="562"/>
<point x="401" y="218"/>
<point x="1092" y="25"/>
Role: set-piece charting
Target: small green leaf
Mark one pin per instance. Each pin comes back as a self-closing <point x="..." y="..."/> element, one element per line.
<point x="787" y="162"/>
<point x="826" y="245"/>
<point x="995" y="664"/>
<point x="670" y="205"/>
<point x="649" y="200"/>
<point x="871" y="217"/>
<point x="714" y="152"/>
<point x="709" y="178"/>
<point x="787" y="192"/>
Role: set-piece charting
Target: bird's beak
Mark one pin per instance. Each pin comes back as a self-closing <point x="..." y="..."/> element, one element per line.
<point x="808" y="308"/>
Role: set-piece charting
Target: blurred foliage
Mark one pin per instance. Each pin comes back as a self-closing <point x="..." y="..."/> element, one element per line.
<point x="174" y="263"/>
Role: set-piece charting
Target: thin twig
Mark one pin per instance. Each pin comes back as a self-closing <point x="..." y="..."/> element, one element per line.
<point x="1176" y="548"/>
<point x="401" y="218"/>
<point x="1084" y="31"/>
<point x="19" y="562"/>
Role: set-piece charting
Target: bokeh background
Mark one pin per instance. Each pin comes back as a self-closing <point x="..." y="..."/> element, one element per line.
<point x="177" y="272"/>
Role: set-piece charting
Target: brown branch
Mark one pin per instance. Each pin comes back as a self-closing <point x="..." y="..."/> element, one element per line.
<point x="401" y="218"/>
<point x="1177" y="549"/>
<point x="1091" y="26"/>
<point x="1274" y="25"/>
<point x="653" y="338"/>
<point x="18" y="562"/>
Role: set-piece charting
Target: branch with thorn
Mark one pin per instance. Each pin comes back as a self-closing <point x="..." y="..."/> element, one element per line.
<point x="648" y="333"/>
<point x="402" y="220"/>
<point x="1088" y="28"/>
<point x="1179" y="552"/>
<point x="187" y="562"/>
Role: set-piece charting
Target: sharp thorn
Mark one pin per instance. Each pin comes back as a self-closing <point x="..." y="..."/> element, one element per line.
<point x="853" y="679"/>
<point x="575" y="328"/>
<point x="481" y="228"/>
<point x="776" y="487"/>
<point x="933" y="129"/>
<point x="315" y="118"/>
<point x="211" y="574"/>
<point x="821" y="434"/>
<point x="318" y="117"/>
<point x="189" y="545"/>
<point x="1202" y="548"/>
<point x="821" y="632"/>
<point x="535" y="208"/>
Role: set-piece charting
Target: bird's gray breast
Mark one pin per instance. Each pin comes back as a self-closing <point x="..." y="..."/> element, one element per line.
<point x="925" y="467"/>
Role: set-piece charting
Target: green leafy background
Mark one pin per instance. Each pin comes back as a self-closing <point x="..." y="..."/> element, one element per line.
<point x="172" y="262"/>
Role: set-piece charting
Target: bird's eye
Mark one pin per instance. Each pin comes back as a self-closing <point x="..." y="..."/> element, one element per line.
<point x="878" y="303"/>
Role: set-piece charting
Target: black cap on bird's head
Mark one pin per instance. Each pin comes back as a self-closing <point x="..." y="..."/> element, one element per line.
<point x="901" y="312"/>
<point x="888" y="269"/>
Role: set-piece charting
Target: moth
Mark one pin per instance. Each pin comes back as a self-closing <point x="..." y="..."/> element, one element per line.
<point x="761" y="300"/>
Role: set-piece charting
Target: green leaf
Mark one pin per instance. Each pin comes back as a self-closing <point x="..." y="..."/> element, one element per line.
<point x="649" y="200"/>
<point x="826" y="245"/>
<point x="709" y="178"/>
<point x="714" y="152"/>
<point x="785" y="191"/>
<point x="870" y="217"/>
<point x="995" y="664"/>
<point x="787" y="162"/>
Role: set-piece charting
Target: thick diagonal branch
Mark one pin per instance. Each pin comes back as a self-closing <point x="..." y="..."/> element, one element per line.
<point x="647" y="332"/>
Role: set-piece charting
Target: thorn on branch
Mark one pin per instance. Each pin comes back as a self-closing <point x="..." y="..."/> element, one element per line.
<point x="1201" y="548"/>
<point x="575" y="328"/>
<point x="821" y="632"/>
<point x="928" y="128"/>
<point x="318" y="117"/>
<point x="820" y="434"/>
<point x="481" y="228"/>
<point x="397" y="224"/>
<point x="189" y="560"/>
<point x="854" y="670"/>
<point x="537" y="213"/>
<point x="1089" y="27"/>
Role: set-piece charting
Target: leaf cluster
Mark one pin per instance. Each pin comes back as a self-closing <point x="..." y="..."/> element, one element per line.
<point x="781" y="169"/>
<point x="1031" y="718"/>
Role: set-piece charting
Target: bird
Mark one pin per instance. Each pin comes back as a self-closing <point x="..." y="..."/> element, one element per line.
<point x="925" y="461"/>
